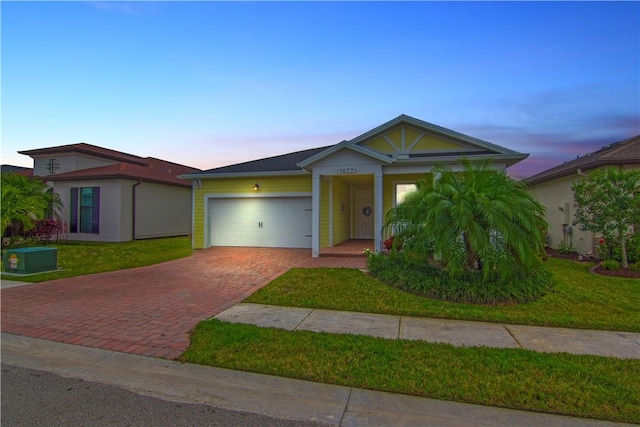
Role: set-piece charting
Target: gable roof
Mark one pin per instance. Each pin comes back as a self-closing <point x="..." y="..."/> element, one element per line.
<point x="619" y="153"/>
<point x="439" y="130"/>
<point x="296" y="163"/>
<point x="84" y="148"/>
<point x="344" y="145"/>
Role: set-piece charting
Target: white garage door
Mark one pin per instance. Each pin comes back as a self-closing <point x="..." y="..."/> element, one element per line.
<point x="281" y="222"/>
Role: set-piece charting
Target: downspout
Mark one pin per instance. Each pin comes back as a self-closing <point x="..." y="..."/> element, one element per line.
<point x="133" y="209"/>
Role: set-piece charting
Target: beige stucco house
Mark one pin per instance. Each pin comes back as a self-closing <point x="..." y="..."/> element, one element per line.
<point x="110" y="196"/>
<point x="553" y="188"/>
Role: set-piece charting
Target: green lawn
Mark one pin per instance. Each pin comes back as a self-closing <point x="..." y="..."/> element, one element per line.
<point x="80" y="258"/>
<point x="579" y="299"/>
<point x="582" y="386"/>
<point x="577" y="385"/>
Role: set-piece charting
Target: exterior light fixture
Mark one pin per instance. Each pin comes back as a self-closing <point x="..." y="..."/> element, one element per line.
<point x="256" y="187"/>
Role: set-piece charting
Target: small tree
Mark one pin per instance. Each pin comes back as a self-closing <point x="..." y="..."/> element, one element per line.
<point x="477" y="219"/>
<point x="608" y="202"/>
<point x="25" y="200"/>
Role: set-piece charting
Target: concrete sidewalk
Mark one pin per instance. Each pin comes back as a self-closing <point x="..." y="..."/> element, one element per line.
<point x="624" y="345"/>
<point x="263" y="394"/>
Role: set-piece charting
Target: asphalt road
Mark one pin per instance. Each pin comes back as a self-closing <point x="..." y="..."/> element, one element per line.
<point x="37" y="398"/>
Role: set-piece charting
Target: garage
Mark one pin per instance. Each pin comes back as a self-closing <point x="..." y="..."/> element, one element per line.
<point x="282" y="222"/>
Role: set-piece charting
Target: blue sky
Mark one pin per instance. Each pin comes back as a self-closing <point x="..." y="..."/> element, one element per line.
<point x="208" y="84"/>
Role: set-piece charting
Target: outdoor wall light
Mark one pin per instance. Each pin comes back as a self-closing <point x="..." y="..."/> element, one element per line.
<point x="256" y="186"/>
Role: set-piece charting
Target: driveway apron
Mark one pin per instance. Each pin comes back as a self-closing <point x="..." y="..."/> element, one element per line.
<point x="150" y="310"/>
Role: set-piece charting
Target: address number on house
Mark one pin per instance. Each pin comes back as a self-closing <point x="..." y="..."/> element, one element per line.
<point x="347" y="171"/>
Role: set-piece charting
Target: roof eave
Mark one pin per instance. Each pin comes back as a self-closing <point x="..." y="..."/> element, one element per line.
<point x="242" y="174"/>
<point x="54" y="150"/>
<point x="574" y="170"/>
<point x="509" y="159"/>
<point x="55" y="178"/>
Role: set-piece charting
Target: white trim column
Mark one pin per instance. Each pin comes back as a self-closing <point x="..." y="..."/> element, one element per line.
<point x="315" y="215"/>
<point x="378" y="214"/>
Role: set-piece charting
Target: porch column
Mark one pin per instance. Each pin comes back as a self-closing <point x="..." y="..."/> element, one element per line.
<point x="377" y="209"/>
<point x="315" y="215"/>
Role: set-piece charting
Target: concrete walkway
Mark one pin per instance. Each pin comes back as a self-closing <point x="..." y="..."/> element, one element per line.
<point x="263" y="394"/>
<point x="624" y="345"/>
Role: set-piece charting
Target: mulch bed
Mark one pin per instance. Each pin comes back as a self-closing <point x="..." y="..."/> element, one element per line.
<point x="574" y="256"/>
<point x="623" y="272"/>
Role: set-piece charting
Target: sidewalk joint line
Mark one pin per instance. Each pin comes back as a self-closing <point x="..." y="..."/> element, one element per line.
<point x="305" y="318"/>
<point x="346" y="406"/>
<point x="399" y="326"/>
<point x="513" y="336"/>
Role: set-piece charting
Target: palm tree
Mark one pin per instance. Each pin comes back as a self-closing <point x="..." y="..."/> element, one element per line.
<point x="25" y="200"/>
<point x="476" y="219"/>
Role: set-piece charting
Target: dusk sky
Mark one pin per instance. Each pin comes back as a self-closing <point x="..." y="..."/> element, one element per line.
<point x="208" y="84"/>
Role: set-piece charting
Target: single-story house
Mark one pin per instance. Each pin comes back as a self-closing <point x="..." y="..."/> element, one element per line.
<point x="553" y="188"/>
<point x="110" y="196"/>
<point x="324" y="196"/>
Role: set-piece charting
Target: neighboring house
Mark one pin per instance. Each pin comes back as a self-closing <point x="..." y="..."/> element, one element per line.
<point x="322" y="197"/>
<point x="19" y="170"/>
<point x="111" y="196"/>
<point x="553" y="188"/>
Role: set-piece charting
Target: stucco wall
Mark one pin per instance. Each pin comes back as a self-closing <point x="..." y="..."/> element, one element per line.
<point x="553" y="195"/>
<point x="557" y="197"/>
<point x="162" y="210"/>
<point x="66" y="163"/>
<point x="112" y="226"/>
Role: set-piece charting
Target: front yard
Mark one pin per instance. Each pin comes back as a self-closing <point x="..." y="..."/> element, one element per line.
<point x="80" y="258"/>
<point x="579" y="299"/>
<point x="582" y="386"/>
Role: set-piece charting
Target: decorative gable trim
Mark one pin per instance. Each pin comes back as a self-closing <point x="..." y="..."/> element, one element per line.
<point x="428" y="128"/>
<point x="345" y="145"/>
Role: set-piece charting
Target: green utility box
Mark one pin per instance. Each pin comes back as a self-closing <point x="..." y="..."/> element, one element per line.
<point x="30" y="260"/>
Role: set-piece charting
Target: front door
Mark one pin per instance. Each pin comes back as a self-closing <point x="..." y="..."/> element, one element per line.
<point x="364" y="214"/>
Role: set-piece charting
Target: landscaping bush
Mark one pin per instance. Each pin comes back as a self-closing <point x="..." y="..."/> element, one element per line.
<point x="610" y="248"/>
<point x="565" y="248"/>
<point x="611" y="264"/>
<point x="47" y="230"/>
<point x="635" y="266"/>
<point x="420" y="278"/>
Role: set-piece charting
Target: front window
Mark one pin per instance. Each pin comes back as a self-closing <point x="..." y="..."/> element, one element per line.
<point x="402" y="190"/>
<point x="85" y="210"/>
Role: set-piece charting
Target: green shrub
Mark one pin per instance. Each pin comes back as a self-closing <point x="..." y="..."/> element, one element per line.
<point x="565" y="248"/>
<point x="611" y="264"/>
<point x="420" y="278"/>
<point x="635" y="266"/>
<point x="610" y="248"/>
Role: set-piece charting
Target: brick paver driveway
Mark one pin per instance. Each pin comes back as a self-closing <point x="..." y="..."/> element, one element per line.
<point x="149" y="310"/>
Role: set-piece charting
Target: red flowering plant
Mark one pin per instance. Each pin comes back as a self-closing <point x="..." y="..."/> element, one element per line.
<point x="47" y="230"/>
<point x="389" y="244"/>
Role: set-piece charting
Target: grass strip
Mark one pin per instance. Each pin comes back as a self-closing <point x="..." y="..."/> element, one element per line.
<point x="578" y="299"/>
<point x="80" y="258"/>
<point x="582" y="386"/>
